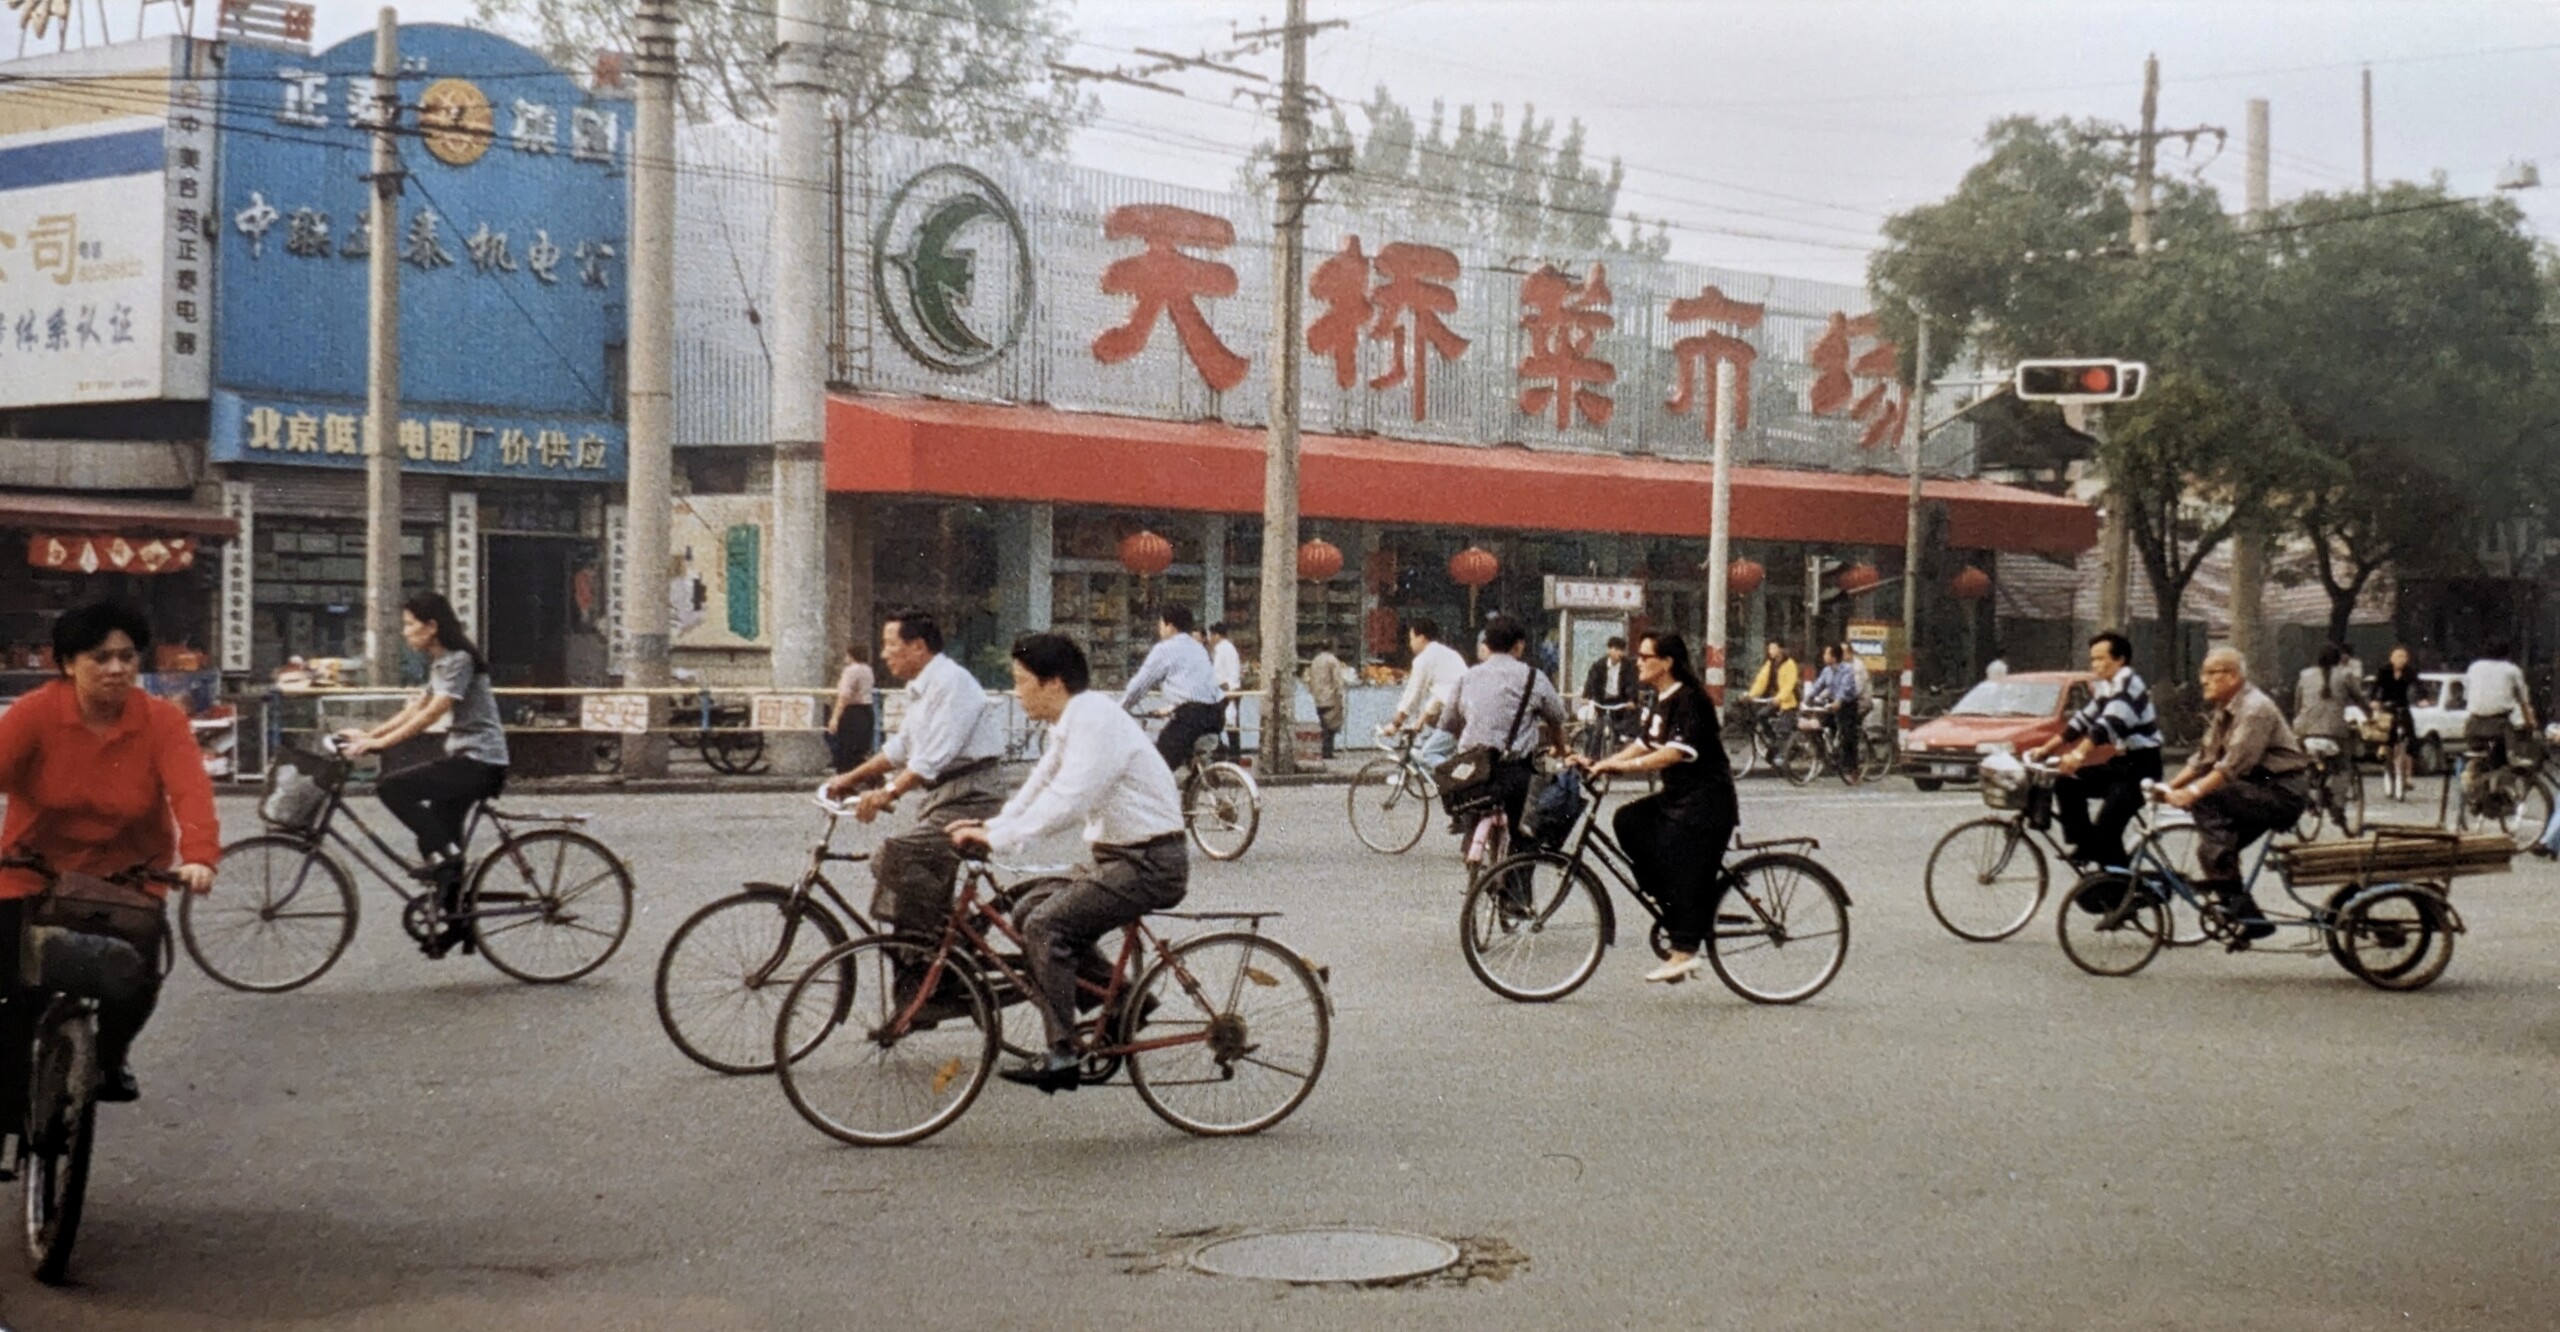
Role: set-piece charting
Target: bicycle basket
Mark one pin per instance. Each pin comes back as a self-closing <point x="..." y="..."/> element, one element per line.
<point x="300" y="785"/>
<point x="2004" y="783"/>
<point x="1810" y="720"/>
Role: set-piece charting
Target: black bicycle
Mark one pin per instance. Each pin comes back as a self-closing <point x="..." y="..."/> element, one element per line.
<point x="1536" y="924"/>
<point x="1814" y="749"/>
<point x="547" y="904"/>
<point x="1756" y="735"/>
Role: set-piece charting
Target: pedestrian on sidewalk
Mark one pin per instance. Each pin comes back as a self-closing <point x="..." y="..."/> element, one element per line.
<point x="1327" y="679"/>
<point x="849" y="726"/>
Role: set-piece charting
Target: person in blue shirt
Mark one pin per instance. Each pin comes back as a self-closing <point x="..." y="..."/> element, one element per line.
<point x="1839" y="690"/>
<point x="1178" y="666"/>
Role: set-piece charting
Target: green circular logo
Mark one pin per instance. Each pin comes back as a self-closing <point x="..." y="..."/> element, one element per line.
<point x="951" y="269"/>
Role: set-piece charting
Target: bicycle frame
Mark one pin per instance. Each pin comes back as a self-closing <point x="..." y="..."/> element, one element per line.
<point x="2149" y="867"/>
<point x="1612" y="857"/>
<point x="812" y="880"/>
<point x="328" y="831"/>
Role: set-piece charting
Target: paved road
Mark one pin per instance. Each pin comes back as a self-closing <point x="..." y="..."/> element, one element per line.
<point x="1953" y="1136"/>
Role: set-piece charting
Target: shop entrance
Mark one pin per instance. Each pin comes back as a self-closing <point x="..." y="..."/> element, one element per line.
<point x="530" y="610"/>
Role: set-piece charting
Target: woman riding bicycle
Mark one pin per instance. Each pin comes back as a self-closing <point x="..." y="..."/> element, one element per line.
<point x="435" y="799"/>
<point x="1676" y="837"/>
<point x="101" y="778"/>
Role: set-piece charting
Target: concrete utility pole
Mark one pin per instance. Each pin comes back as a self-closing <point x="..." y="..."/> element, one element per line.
<point x="647" y="502"/>
<point x="1917" y="423"/>
<point x="382" y="370"/>
<point x="2368" y="129"/>
<point x="798" y="336"/>
<point x="1719" y="532"/>
<point x="2115" y="537"/>
<point x="2249" y="634"/>
<point x="1278" y="613"/>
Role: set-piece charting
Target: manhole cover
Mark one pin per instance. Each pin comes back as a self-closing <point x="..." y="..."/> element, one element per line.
<point x="1324" y="1255"/>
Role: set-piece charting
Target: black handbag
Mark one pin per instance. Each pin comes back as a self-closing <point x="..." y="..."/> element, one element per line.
<point x="107" y="908"/>
<point x="1470" y="779"/>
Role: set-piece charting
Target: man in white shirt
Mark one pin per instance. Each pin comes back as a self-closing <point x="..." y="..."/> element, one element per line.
<point x="1179" y="667"/>
<point x="1097" y="769"/>
<point x="948" y="745"/>
<point x="2499" y="703"/>
<point x="1428" y="687"/>
<point x="1228" y="665"/>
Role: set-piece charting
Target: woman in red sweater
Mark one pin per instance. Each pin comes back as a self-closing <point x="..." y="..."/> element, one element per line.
<point x="101" y="778"/>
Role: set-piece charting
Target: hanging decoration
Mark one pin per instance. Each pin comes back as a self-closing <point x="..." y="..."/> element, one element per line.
<point x="1744" y="577"/>
<point x="1319" y="560"/>
<point x="1860" y="577"/>
<point x="93" y="553"/>
<point x="1471" y="569"/>
<point x="1970" y="584"/>
<point x="1145" y="554"/>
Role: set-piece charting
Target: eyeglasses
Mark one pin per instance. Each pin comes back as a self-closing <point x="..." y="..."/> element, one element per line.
<point x="1651" y="656"/>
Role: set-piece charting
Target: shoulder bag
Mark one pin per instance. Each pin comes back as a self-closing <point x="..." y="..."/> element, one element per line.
<point x="1468" y="779"/>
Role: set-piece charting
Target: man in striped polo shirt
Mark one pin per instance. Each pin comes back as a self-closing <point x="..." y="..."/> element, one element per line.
<point x="2119" y="718"/>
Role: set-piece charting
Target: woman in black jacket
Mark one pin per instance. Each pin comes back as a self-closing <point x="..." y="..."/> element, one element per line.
<point x="1677" y="836"/>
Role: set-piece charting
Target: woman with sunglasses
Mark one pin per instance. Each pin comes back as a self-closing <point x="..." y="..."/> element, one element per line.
<point x="1677" y="836"/>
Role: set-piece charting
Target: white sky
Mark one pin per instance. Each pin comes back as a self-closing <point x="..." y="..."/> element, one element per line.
<point x="1776" y="134"/>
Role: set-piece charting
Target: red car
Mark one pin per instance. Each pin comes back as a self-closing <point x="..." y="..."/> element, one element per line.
<point x="2012" y="714"/>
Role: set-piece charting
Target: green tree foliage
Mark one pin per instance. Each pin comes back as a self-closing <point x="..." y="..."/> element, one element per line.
<point x="972" y="72"/>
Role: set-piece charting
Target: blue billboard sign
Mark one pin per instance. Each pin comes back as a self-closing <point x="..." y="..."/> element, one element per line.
<point x="457" y="441"/>
<point x="511" y="236"/>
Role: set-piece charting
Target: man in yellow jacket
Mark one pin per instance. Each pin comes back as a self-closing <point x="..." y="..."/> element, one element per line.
<point x="1778" y="679"/>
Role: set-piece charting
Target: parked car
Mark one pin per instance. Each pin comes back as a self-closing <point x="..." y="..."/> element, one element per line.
<point x="2017" y="712"/>
<point x="2436" y="716"/>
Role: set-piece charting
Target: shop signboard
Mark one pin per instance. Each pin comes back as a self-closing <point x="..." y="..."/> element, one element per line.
<point x="1622" y="595"/>
<point x="1873" y="641"/>
<point x="616" y="714"/>
<point x="465" y="441"/>
<point x="717" y="585"/>
<point x="510" y="235"/>
<point x="105" y="169"/>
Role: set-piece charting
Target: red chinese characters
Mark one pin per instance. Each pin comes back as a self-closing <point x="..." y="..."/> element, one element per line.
<point x="1565" y="320"/>
<point x="1699" y="354"/>
<point x="1166" y="282"/>
<point x="1861" y="382"/>
<point x="1410" y="309"/>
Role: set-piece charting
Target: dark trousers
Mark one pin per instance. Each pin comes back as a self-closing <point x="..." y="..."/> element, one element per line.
<point x="1677" y="848"/>
<point x="1182" y="731"/>
<point x="2237" y="814"/>
<point x="1233" y="710"/>
<point x="434" y="801"/>
<point x="851" y="742"/>
<point x="1329" y="720"/>
<point x="912" y="871"/>
<point x="2117" y="787"/>
<point x="1062" y="919"/>
<point x="125" y="984"/>
<point x="1844" y="734"/>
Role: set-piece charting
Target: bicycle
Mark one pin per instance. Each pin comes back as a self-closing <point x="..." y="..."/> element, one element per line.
<point x="2509" y="797"/>
<point x="720" y="734"/>
<point x="2382" y="929"/>
<point x="286" y="893"/>
<point x="1605" y="729"/>
<point x="861" y="1063"/>
<point x="721" y="977"/>
<point x="56" y="1133"/>
<point x="1756" y="734"/>
<point x="1987" y="877"/>
<point x="2337" y="791"/>
<point x="1814" y="749"/>
<point x="1391" y="798"/>
<point x="1221" y="803"/>
<point x="1776" y="907"/>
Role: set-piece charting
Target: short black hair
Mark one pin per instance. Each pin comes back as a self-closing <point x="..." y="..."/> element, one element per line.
<point x="1502" y="633"/>
<point x="1050" y="656"/>
<point x="83" y="629"/>
<point x="1218" y="628"/>
<point x="2501" y="651"/>
<point x="2118" y="646"/>
<point x="1177" y="616"/>
<point x="916" y="626"/>
<point x="1425" y="626"/>
<point x="1618" y="643"/>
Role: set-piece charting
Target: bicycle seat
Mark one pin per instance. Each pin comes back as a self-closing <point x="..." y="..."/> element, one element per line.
<point x="1206" y="746"/>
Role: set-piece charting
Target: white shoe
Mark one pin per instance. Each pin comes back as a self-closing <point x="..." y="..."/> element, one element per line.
<point x="1674" y="971"/>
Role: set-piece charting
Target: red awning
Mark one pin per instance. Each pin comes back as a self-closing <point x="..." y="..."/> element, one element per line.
<point x="27" y="511"/>
<point x="919" y="446"/>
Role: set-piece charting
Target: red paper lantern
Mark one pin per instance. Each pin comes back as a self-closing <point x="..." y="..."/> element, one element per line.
<point x="1145" y="554"/>
<point x="1319" y="560"/>
<point x="1474" y="567"/>
<point x="1860" y="577"/>
<point x="1744" y="577"/>
<point x="1970" y="584"/>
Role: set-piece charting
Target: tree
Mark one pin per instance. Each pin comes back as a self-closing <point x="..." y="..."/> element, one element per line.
<point x="972" y="72"/>
<point x="1525" y="190"/>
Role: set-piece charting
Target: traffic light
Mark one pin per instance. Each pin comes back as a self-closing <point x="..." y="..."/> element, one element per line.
<point x="2080" y="381"/>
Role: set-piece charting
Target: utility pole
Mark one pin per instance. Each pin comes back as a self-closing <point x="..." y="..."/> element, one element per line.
<point x="798" y="560"/>
<point x="1917" y="421"/>
<point x="382" y="366"/>
<point x="1278" y="613"/>
<point x="2249" y="634"/>
<point x="641" y="598"/>
<point x="2368" y="129"/>
<point x="1719" y="532"/>
<point x="2115" y="537"/>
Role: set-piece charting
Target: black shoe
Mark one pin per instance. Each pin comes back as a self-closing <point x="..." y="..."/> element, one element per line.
<point x="117" y="1086"/>
<point x="1052" y="1073"/>
<point x="2258" y="928"/>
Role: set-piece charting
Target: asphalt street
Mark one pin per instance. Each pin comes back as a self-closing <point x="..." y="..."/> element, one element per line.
<point x="1952" y="1136"/>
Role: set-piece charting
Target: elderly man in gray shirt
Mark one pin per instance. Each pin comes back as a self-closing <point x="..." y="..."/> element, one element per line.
<point x="2249" y="779"/>
<point x="1487" y="709"/>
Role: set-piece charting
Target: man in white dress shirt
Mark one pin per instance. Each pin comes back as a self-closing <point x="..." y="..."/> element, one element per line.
<point x="1428" y="687"/>
<point x="1179" y="667"/>
<point x="1096" y="769"/>
<point x="948" y="745"/>
<point x="1228" y="665"/>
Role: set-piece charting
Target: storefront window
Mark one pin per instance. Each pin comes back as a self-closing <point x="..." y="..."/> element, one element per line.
<point x="308" y="586"/>
<point x="32" y="598"/>
<point x="941" y="558"/>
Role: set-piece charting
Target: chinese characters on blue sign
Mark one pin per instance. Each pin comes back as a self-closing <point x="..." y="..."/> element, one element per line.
<point x="463" y="441"/>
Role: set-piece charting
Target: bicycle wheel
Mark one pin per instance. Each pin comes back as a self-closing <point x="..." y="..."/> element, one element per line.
<point x="1876" y="758"/>
<point x="549" y="906"/>
<point x="2533" y="813"/>
<point x="1223" y="810"/>
<point x="54" y="1151"/>
<point x="1782" y="928"/>
<point x="1231" y="1034"/>
<point x="734" y="752"/>
<point x="1533" y="927"/>
<point x="2348" y="792"/>
<point x="1389" y="811"/>
<point x="2396" y="938"/>
<point x="2178" y="846"/>
<point x="1803" y="758"/>
<point x="851" y="1075"/>
<point x="1741" y="747"/>
<point x="2109" y="927"/>
<point x="284" y="914"/>
<point x="2315" y="813"/>
<point x="1985" y="879"/>
<point x="722" y="977"/>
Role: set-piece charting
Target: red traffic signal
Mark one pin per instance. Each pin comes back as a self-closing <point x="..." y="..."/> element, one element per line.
<point x="2079" y="381"/>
